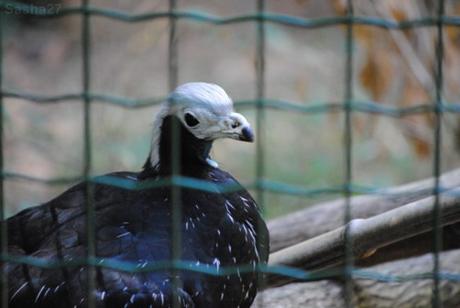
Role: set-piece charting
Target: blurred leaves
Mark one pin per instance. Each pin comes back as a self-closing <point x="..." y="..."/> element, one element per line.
<point x="376" y="74"/>
<point x="398" y="67"/>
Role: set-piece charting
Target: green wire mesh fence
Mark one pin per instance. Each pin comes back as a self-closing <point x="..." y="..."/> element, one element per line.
<point x="348" y="106"/>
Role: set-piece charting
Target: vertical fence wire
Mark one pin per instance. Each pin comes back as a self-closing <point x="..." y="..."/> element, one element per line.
<point x="176" y="216"/>
<point x="260" y="120"/>
<point x="3" y="222"/>
<point x="348" y="152"/>
<point x="90" y="215"/>
<point x="437" y="230"/>
<point x="173" y="71"/>
<point x="260" y="111"/>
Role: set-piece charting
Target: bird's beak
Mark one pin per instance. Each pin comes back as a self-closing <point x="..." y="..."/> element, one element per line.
<point x="238" y="128"/>
<point x="247" y="134"/>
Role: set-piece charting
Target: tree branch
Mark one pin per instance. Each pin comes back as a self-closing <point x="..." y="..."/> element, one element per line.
<point x="323" y="217"/>
<point x="367" y="235"/>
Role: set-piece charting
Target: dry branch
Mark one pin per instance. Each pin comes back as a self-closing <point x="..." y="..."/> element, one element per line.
<point x="321" y="218"/>
<point x="414" y="246"/>
<point x="367" y="235"/>
<point x="371" y="293"/>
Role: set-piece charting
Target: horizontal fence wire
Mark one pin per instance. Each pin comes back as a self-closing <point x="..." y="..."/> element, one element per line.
<point x="193" y="183"/>
<point x="361" y="106"/>
<point x="201" y="16"/>
<point x="145" y="267"/>
<point x="296" y="273"/>
<point x="348" y="106"/>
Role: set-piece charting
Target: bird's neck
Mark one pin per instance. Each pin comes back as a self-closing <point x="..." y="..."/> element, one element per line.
<point x="192" y="152"/>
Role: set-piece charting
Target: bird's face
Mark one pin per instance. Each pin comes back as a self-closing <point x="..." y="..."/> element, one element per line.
<point x="207" y="112"/>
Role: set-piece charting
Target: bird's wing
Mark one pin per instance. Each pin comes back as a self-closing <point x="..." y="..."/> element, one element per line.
<point x="56" y="231"/>
<point x="30" y="227"/>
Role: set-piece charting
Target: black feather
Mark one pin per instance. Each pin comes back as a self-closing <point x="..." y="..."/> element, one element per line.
<point x="218" y="230"/>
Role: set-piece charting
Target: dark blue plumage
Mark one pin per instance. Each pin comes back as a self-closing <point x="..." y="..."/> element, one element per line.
<point x="218" y="230"/>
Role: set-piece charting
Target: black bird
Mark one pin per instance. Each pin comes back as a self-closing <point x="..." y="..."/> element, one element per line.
<point x="219" y="229"/>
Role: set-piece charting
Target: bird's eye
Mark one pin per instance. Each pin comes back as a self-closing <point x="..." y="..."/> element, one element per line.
<point x="191" y="120"/>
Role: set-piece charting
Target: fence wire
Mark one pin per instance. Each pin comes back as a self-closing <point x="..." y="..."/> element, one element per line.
<point x="348" y="106"/>
<point x="348" y="159"/>
<point x="3" y="223"/>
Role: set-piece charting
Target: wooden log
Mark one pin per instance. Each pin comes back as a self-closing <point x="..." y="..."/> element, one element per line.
<point x="366" y="236"/>
<point x="323" y="217"/>
<point x="373" y="293"/>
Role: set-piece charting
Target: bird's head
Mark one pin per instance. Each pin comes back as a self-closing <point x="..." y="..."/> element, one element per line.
<point x="206" y="111"/>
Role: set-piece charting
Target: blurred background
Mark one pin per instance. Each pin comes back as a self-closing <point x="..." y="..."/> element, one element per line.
<point x="305" y="66"/>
